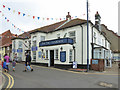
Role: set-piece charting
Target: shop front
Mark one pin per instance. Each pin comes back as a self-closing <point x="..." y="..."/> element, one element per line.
<point x="55" y="52"/>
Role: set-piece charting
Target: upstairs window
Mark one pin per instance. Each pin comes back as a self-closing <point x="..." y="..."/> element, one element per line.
<point x="58" y="36"/>
<point x="42" y="38"/>
<point x="34" y="41"/>
<point x="94" y="37"/>
<point x="20" y="44"/>
<point x="73" y="36"/>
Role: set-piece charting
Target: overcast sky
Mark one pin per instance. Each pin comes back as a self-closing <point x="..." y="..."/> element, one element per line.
<point x="56" y="9"/>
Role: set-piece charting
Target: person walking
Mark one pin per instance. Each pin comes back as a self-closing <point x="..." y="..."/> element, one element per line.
<point x="28" y="62"/>
<point x="13" y="64"/>
<point x="7" y="58"/>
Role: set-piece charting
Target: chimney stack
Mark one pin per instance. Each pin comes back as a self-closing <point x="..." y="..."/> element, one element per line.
<point x="68" y="17"/>
<point x="98" y="21"/>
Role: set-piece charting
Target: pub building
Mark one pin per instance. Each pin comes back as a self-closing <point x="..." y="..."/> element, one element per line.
<point x="62" y="43"/>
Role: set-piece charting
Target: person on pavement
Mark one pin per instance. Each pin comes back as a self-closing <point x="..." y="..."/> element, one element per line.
<point x="28" y="62"/>
<point x="7" y="58"/>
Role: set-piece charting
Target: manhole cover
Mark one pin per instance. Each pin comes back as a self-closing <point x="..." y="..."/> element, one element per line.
<point x="105" y="84"/>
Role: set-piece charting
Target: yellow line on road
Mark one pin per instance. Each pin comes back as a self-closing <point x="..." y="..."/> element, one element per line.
<point x="11" y="81"/>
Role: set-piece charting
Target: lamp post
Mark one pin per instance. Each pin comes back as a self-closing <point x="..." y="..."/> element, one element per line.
<point x="87" y="39"/>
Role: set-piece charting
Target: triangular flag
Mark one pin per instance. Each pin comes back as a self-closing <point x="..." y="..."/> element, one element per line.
<point x="13" y="11"/>
<point x="12" y="24"/>
<point x="18" y="13"/>
<point x="9" y="9"/>
<point x="38" y="18"/>
<point x="51" y="18"/>
<point x="47" y="18"/>
<point x="43" y="18"/>
<point x="23" y="14"/>
<point x="28" y="15"/>
<point x="7" y="20"/>
<point x="60" y="18"/>
<point x="33" y="17"/>
<point x="2" y="14"/>
<point x="0" y="11"/>
<point x="3" y="6"/>
<point x="5" y="17"/>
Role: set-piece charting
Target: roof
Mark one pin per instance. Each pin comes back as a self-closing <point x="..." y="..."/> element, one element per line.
<point x="6" y="38"/>
<point x="59" y="25"/>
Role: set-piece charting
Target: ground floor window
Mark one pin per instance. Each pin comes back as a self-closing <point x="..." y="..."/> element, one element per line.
<point x="56" y="54"/>
<point x="46" y="54"/>
<point x="34" y="55"/>
<point x="98" y="54"/>
<point x="19" y="56"/>
<point x="71" y="55"/>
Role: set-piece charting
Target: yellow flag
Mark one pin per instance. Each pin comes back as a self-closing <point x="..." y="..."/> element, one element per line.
<point x="13" y="11"/>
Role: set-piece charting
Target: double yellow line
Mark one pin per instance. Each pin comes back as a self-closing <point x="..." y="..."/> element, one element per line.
<point x="10" y="80"/>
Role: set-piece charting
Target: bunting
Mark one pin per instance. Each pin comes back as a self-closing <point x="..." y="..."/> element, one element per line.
<point x="12" y="23"/>
<point x="35" y="17"/>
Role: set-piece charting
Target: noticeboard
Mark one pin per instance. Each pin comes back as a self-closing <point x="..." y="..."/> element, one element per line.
<point x="63" y="56"/>
<point x="94" y="61"/>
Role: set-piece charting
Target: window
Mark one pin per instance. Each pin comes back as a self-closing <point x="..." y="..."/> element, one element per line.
<point x="20" y="44"/>
<point x="7" y="48"/>
<point x="71" y="55"/>
<point x="14" y="44"/>
<point x="34" y="41"/>
<point x="103" y="42"/>
<point x="42" y="38"/>
<point x="58" y="36"/>
<point x="73" y="36"/>
<point x="94" y="37"/>
<point x="46" y="54"/>
<point x="34" y="55"/>
<point x="56" y="54"/>
<point x="98" y="54"/>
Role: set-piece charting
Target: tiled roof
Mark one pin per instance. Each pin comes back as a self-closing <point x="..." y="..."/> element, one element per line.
<point x="59" y="25"/>
<point x="6" y="38"/>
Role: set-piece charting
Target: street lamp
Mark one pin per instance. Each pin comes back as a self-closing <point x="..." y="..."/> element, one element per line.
<point x="87" y="39"/>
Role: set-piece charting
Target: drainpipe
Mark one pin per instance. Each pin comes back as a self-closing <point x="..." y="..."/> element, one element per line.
<point x="82" y="43"/>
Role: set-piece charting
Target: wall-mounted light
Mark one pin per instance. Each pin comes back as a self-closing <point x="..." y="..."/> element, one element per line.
<point x="42" y="50"/>
<point x="73" y="47"/>
<point x="61" y="48"/>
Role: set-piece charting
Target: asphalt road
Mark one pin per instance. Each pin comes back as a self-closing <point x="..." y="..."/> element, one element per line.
<point x="47" y="77"/>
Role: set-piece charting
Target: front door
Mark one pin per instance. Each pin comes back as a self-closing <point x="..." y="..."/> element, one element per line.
<point x="51" y="57"/>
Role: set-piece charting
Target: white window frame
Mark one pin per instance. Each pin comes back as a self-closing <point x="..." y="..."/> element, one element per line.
<point x="42" y="38"/>
<point x="34" y="55"/>
<point x="56" y="51"/>
<point x="46" y="56"/>
<point x="73" y="36"/>
<point x="58" y="36"/>
<point x="20" y="44"/>
<point x="70" y="55"/>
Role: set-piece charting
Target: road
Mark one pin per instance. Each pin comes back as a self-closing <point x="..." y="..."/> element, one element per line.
<point x="48" y="77"/>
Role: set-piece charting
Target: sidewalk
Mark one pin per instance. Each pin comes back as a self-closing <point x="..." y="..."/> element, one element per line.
<point x="111" y="70"/>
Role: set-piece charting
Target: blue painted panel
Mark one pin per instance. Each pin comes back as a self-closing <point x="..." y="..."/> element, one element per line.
<point x="63" y="56"/>
<point x="34" y="48"/>
<point x="94" y="61"/>
<point x="13" y="50"/>
<point x="19" y="50"/>
<point x="56" y="42"/>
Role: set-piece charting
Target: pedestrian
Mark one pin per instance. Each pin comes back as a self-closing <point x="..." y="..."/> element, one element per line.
<point x="7" y="58"/>
<point x="13" y="64"/>
<point x="15" y="57"/>
<point x="5" y="68"/>
<point x="28" y="62"/>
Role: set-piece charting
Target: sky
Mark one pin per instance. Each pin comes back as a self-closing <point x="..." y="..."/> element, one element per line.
<point x="53" y="10"/>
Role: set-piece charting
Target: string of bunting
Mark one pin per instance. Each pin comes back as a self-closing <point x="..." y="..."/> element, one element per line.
<point x="35" y="17"/>
<point x="11" y="23"/>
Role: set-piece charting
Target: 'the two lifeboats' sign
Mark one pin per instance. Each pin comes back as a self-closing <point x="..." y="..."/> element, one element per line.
<point x="56" y="42"/>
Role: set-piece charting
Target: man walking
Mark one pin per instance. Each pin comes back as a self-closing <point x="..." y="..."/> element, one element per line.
<point x="28" y="61"/>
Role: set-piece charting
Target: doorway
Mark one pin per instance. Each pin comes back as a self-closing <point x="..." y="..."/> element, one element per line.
<point x="51" y="57"/>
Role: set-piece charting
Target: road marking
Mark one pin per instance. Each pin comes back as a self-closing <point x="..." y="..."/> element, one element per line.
<point x="11" y="81"/>
<point x="76" y="72"/>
